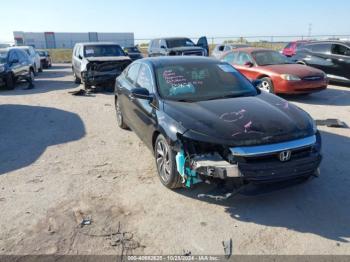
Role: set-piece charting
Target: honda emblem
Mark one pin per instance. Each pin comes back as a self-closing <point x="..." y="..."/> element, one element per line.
<point x="285" y="156"/>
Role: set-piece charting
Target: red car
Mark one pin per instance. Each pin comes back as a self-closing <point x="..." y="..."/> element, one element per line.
<point x="291" y="48"/>
<point x="277" y="74"/>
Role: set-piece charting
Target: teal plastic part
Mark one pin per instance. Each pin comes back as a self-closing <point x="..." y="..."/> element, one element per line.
<point x="180" y="163"/>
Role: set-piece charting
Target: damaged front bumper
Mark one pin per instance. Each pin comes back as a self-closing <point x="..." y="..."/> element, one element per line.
<point x="264" y="163"/>
<point x="98" y="73"/>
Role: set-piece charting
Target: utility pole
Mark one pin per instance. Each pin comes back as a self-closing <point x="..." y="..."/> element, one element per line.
<point x="310" y="30"/>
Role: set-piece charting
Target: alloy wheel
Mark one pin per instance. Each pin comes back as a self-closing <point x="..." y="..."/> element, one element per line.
<point x="119" y="113"/>
<point x="163" y="160"/>
<point x="265" y="86"/>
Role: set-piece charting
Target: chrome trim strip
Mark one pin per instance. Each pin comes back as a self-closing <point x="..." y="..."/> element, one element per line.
<point x="273" y="148"/>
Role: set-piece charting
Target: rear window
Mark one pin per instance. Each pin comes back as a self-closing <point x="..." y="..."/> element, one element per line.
<point x="103" y="50"/>
<point x="3" y="57"/>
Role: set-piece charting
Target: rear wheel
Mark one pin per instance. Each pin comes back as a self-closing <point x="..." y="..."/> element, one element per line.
<point x="10" y="82"/>
<point x="119" y="115"/>
<point x="166" y="164"/>
<point x="267" y="85"/>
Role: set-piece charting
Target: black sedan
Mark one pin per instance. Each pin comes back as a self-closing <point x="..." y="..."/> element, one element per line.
<point x="15" y="65"/>
<point x="202" y="119"/>
<point x="332" y="57"/>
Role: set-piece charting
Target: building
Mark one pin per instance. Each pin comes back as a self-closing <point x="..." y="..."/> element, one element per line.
<point x="52" y="40"/>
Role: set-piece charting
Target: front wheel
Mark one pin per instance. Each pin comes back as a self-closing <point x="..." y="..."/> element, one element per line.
<point x="166" y="164"/>
<point x="10" y="82"/>
<point x="267" y="85"/>
<point x="77" y="80"/>
<point x="119" y="114"/>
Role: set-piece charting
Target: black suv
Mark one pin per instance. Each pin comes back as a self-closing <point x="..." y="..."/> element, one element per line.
<point x="178" y="46"/>
<point x="15" y="65"/>
<point x="332" y="57"/>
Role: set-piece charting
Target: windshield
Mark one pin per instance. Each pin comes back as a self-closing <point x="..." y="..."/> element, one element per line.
<point x="199" y="81"/>
<point x="3" y="57"/>
<point x="263" y="58"/>
<point x="179" y="42"/>
<point x="132" y="50"/>
<point x="103" y="50"/>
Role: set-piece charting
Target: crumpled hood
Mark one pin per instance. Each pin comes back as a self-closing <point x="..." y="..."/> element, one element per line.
<point x="107" y="58"/>
<point x="253" y="120"/>
<point x="294" y="69"/>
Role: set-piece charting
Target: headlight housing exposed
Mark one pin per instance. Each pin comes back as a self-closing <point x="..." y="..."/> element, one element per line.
<point x="290" y="77"/>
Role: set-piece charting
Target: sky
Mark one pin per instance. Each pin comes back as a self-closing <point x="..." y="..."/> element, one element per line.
<point x="191" y="18"/>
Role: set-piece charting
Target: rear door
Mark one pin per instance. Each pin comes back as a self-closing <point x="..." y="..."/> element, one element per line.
<point x="203" y="42"/>
<point x="126" y="84"/>
<point x="78" y="56"/>
<point x="341" y="60"/>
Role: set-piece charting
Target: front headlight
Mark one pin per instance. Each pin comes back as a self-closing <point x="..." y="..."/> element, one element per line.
<point x="289" y="77"/>
<point x="2" y="69"/>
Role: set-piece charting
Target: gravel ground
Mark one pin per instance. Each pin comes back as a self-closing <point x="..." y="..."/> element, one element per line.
<point x="63" y="159"/>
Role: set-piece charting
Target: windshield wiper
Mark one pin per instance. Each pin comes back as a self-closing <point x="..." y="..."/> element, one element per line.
<point x="225" y="96"/>
<point x="185" y="100"/>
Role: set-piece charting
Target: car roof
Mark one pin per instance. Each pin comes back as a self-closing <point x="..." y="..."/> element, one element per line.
<point x="97" y="43"/>
<point x="251" y="49"/>
<point x="329" y="42"/>
<point x="23" y="47"/>
<point x="173" y="60"/>
<point x="171" y="38"/>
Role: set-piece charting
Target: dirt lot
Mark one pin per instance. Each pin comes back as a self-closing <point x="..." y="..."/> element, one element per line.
<point x="63" y="159"/>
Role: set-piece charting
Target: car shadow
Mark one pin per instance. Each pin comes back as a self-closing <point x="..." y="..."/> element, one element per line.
<point x="26" y="131"/>
<point x="319" y="206"/>
<point x="58" y="77"/>
<point x="330" y="96"/>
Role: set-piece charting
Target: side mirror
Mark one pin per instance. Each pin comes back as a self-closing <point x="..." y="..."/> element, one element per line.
<point x="126" y="53"/>
<point x="141" y="93"/>
<point x="248" y="64"/>
<point x="80" y="57"/>
<point x="162" y="47"/>
<point x="257" y="83"/>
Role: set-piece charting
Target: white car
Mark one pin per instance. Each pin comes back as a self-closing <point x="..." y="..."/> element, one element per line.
<point x="219" y="50"/>
<point x="34" y="57"/>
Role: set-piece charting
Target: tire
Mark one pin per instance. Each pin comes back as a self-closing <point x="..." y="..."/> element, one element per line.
<point x="119" y="115"/>
<point x="32" y="75"/>
<point x="35" y="70"/>
<point x="267" y="85"/>
<point x="77" y="80"/>
<point x="87" y="86"/>
<point x="166" y="164"/>
<point x="10" y="82"/>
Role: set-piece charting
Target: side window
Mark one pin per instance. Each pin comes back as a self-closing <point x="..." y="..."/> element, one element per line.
<point x="340" y="50"/>
<point x="81" y="51"/>
<point x="162" y="43"/>
<point x="155" y="43"/>
<point x="227" y="48"/>
<point x="243" y="58"/>
<point x="320" y="48"/>
<point x="230" y="58"/>
<point x="132" y="73"/>
<point x="145" y="78"/>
